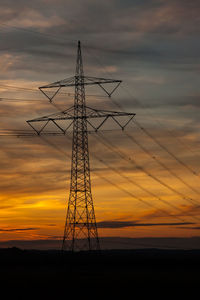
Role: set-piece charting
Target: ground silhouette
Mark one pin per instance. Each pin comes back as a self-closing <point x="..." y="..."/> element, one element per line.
<point x="142" y="268"/>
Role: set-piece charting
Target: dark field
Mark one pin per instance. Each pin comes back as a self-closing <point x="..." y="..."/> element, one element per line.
<point x="52" y="271"/>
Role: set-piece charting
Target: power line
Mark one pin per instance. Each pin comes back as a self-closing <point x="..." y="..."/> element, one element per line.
<point x="134" y="183"/>
<point x="36" y="90"/>
<point x="171" y="132"/>
<point x="73" y="42"/>
<point x="18" y="88"/>
<point x="132" y="161"/>
<point x="160" y="163"/>
<point x="137" y="198"/>
<point x="155" y="140"/>
<point x="19" y="100"/>
<point x="139" y="186"/>
<point x="159" y="143"/>
<point x="165" y="149"/>
<point x="29" y="133"/>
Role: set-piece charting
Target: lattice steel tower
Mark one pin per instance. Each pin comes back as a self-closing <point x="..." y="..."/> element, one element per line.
<point x="80" y="221"/>
<point x="80" y="231"/>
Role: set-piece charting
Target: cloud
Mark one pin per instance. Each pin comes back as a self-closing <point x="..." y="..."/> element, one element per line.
<point x="117" y="18"/>
<point x="122" y="224"/>
<point x="18" y="229"/>
<point x="189" y="228"/>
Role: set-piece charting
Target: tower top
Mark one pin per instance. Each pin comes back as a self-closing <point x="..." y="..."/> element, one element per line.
<point x="79" y="62"/>
<point x="72" y="81"/>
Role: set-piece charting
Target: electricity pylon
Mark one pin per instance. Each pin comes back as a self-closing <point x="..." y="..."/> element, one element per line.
<point x="80" y="231"/>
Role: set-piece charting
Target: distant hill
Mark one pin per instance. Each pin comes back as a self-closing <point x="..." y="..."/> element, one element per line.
<point x="112" y="243"/>
<point x="142" y="268"/>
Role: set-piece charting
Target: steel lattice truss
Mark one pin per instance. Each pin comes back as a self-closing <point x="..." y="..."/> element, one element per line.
<point x="89" y="116"/>
<point x="72" y="81"/>
<point x="80" y="228"/>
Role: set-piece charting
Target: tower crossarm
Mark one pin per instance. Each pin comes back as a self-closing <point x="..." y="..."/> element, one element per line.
<point x="85" y="80"/>
<point x="71" y="81"/>
<point x="90" y="115"/>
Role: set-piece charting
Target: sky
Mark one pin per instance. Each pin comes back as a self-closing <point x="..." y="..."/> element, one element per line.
<point x="145" y="180"/>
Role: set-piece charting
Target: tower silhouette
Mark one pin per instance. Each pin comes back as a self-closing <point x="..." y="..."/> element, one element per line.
<point x="80" y="228"/>
<point x="80" y="231"/>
